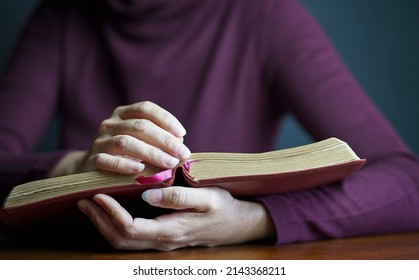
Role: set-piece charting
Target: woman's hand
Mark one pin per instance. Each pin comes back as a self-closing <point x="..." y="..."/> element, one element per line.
<point x="205" y="217"/>
<point x="133" y="134"/>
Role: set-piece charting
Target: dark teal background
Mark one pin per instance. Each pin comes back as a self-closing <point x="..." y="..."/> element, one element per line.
<point x="378" y="40"/>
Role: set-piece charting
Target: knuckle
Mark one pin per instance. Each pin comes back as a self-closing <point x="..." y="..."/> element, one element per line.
<point x="140" y="126"/>
<point x="122" y="142"/>
<point x="105" y="125"/>
<point x="178" y="238"/>
<point x="99" y="161"/>
<point x="118" y="110"/>
<point x="168" y="141"/>
<point x="152" y="155"/>
<point x="166" y="118"/>
<point x="116" y="164"/>
<point x="96" y="147"/>
<point x="143" y="106"/>
<point x="128" y="232"/>
<point x="103" y="161"/>
<point x="118" y="242"/>
<point x="147" y="104"/>
<point x="177" y="197"/>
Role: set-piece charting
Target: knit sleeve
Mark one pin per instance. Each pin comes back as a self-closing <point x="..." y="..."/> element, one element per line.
<point x="314" y="85"/>
<point x="29" y="93"/>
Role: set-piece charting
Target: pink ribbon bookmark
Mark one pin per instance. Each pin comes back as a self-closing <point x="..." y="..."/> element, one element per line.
<point x="156" y="178"/>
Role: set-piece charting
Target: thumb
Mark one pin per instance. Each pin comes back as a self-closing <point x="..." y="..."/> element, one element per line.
<point x="179" y="198"/>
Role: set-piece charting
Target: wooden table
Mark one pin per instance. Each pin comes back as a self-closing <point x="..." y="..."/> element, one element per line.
<point x="392" y="246"/>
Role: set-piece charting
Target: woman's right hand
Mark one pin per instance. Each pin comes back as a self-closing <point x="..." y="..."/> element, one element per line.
<point x="133" y="134"/>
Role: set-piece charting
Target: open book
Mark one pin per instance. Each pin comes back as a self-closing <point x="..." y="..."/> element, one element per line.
<point x="250" y="174"/>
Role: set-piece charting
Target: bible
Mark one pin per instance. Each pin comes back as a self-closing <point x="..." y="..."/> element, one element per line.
<point x="242" y="174"/>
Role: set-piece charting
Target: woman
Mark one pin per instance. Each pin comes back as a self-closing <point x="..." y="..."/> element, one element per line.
<point x="224" y="71"/>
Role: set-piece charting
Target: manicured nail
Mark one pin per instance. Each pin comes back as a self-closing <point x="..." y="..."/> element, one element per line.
<point x="170" y="161"/>
<point x="82" y="206"/>
<point x="183" y="152"/>
<point x="153" y="196"/>
<point x="136" y="166"/>
<point x="179" y="130"/>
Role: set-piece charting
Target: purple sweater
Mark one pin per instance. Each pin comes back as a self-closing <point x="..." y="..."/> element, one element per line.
<point x="229" y="70"/>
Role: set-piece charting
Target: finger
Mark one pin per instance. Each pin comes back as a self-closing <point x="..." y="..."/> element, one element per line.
<point x="118" y="164"/>
<point x="103" y="223"/>
<point x="152" y="134"/>
<point x="180" y="198"/>
<point x="128" y="146"/>
<point x="132" y="229"/>
<point x="120" y="217"/>
<point x="150" y="237"/>
<point x="153" y="112"/>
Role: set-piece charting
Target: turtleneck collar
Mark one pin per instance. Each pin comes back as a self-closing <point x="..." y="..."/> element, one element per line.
<point x="139" y="10"/>
<point x="139" y="20"/>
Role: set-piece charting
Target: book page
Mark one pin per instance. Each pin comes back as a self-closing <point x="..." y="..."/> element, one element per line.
<point x="220" y="165"/>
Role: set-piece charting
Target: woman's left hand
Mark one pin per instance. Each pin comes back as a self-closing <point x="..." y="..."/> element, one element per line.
<point x="205" y="217"/>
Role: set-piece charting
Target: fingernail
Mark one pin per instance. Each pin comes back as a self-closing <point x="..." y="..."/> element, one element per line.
<point x="170" y="161"/>
<point x="82" y="206"/>
<point x="183" y="152"/>
<point x="153" y="196"/>
<point x="136" y="166"/>
<point x="179" y="130"/>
